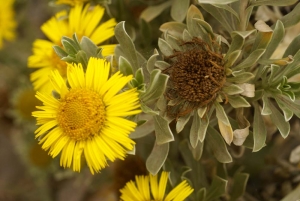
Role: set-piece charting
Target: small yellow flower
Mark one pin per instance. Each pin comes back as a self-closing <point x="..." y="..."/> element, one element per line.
<point x="88" y="118"/>
<point x="82" y="20"/>
<point x="7" y="22"/>
<point x="140" y="190"/>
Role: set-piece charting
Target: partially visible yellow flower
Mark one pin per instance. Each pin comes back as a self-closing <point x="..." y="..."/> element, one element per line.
<point x="89" y="117"/>
<point x="7" y="22"/>
<point x="140" y="190"/>
<point x="82" y="20"/>
<point x="70" y="2"/>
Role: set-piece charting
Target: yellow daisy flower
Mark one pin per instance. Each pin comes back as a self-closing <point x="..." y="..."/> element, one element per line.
<point x="7" y="22"/>
<point x="70" y="2"/>
<point x="82" y="20"/>
<point x="140" y="191"/>
<point x="88" y="118"/>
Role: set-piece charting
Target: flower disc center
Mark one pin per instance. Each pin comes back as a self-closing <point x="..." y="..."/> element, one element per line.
<point x="81" y="114"/>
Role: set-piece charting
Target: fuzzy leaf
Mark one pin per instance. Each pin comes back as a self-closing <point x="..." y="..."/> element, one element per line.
<point x="217" y="189"/>
<point x="231" y="58"/>
<point x="277" y="37"/>
<point x="240" y="77"/>
<point x="152" y="12"/>
<point x="164" y="47"/>
<point x="174" y="42"/>
<point x="174" y="28"/>
<point x="293" y="48"/>
<point x="143" y="129"/>
<point x="240" y="135"/>
<point x="221" y="114"/>
<point x="127" y="45"/>
<point x="292" y="17"/>
<point x="259" y="130"/>
<point x="251" y="59"/>
<point x="162" y="65"/>
<point x="201" y="194"/>
<point x="125" y="67"/>
<point x="139" y="76"/>
<point x="148" y="110"/>
<point x="249" y="89"/>
<point x="162" y="130"/>
<point x="157" y="158"/>
<point x="226" y="131"/>
<point x="195" y="128"/>
<point x="181" y="122"/>
<point x="239" y="185"/>
<point x="197" y="151"/>
<point x="238" y="102"/>
<point x="288" y="113"/>
<point x="88" y="47"/>
<point x="263" y="37"/>
<point x="232" y="89"/>
<point x="279" y="121"/>
<point x="60" y="51"/>
<point x="70" y="49"/>
<point x="217" y="145"/>
<point x="187" y="36"/>
<point x="156" y="87"/>
<point x="266" y="110"/>
<point x="192" y="25"/>
<point x="179" y="9"/>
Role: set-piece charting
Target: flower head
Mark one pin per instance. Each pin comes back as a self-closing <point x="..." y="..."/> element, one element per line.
<point x="70" y="2"/>
<point x="140" y="190"/>
<point x="82" y="20"/>
<point x="88" y="118"/>
<point x="7" y="22"/>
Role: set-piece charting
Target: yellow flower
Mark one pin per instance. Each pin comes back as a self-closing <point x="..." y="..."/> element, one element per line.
<point x="82" y="20"/>
<point x="7" y="22"/>
<point x="88" y="118"/>
<point x="140" y="191"/>
<point x="70" y="2"/>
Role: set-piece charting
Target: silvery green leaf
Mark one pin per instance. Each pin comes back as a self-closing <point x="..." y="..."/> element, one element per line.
<point x="216" y="143"/>
<point x="273" y="2"/>
<point x="151" y="61"/>
<point x="179" y="9"/>
<point x="192" y="26"/>
<point x="288" y="114"/>
<point x="174" y="28"/>
<point x="157" y="158"/>
<point x="156" y="87"/>
<point x="259" y="130"/>
<point x="232" y="89"/>
<point x="266" y="110"/>
<point x="217" y="1"/>
<point x="221" y="114"/>
<point x="88" y="46"/>
<point x="206" y="27"/>
<point x="73" y="42"/>
<point x="139" y="76"/>
<point x="148" y="110"/>
<point x="231" y="58"/>
<point x="292" y="17"/>
<point x="126" y="44"/>
<point x="240" y="77"/>
<point x="201" y="111"/>
<point x="238" y="39"/>
<point x="187" y="36"/>
<point x="82" y="58"/>
<point x="250" y="60"/>
<point x="293" y="106"/>
<point x="69" y="59"/>
<point x="217" y="189"/>
<point x="238" y="102"/>
<point x="124" y="66"/>
<point x="162" y="65"/>
<point x="279" y="121"/>
<point x="144" y="129"/>
<point x="280" y="62"/>
<point x="174" y="42"/>
<point x="181" y="122"/>
<point x="164" y="47"/>
<point x="277" y="37"/>
<point x="239" y="185"/>
<point x="229" y="9"/>
<point x="70" y="49"/>
<point x="204" y="122"/>
<point x="197" y="151"/>
<point x="292" y="68"/>
<point x="194" y="131"/>
<point x="152" y="12"/>
<point x="162" y="130"/>
<point x="59" y="51"/>
<point x="220" y="15"/>
<point x="293" y="48"/>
